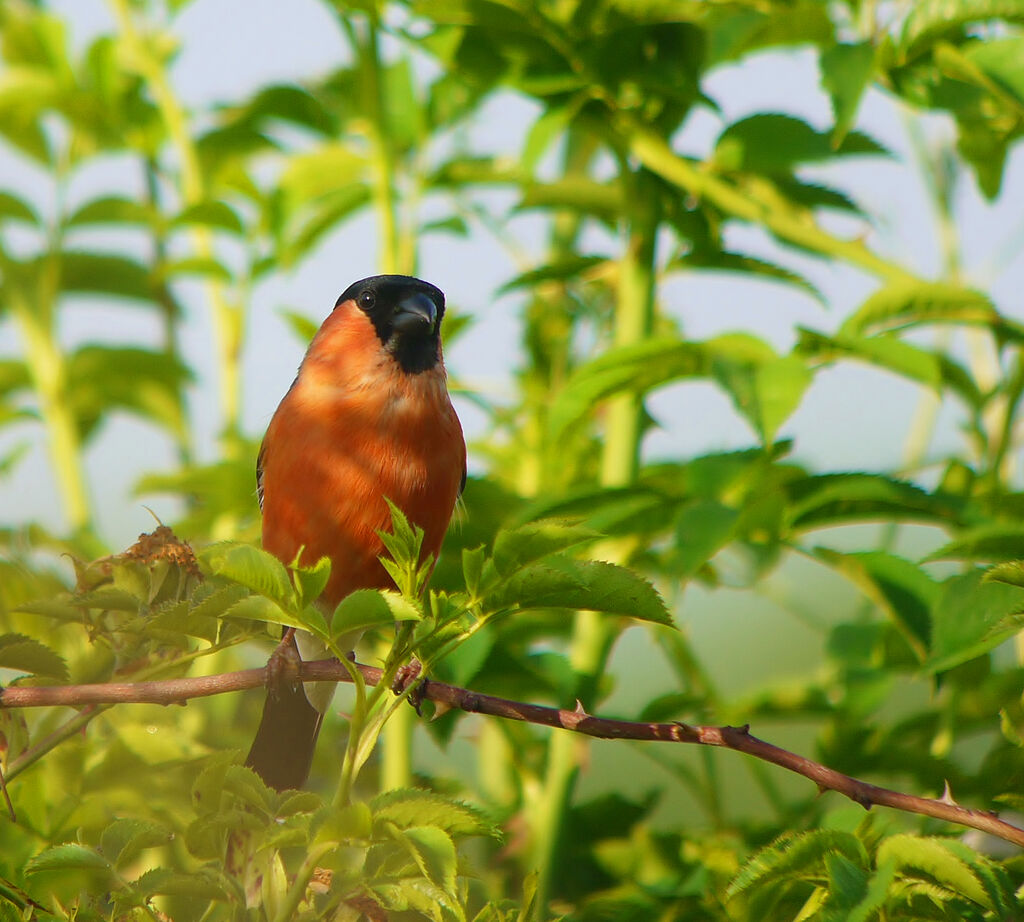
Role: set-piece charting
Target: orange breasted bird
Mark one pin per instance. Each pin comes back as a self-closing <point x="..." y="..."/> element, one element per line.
<point x="367" y="418"/>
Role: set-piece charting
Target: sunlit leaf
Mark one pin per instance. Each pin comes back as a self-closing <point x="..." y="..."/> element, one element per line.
<point x="845" y="73"/>
<point x="26" y="654"/>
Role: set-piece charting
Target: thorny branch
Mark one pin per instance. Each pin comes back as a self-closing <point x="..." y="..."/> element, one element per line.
<point x="178" y="691"/>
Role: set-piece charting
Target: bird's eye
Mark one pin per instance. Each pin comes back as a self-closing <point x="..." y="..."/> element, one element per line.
<point x="366" y="300"/>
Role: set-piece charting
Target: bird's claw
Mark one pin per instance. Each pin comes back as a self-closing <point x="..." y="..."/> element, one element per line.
<point x="405" y="677"/>
<point x="283" y="665"/>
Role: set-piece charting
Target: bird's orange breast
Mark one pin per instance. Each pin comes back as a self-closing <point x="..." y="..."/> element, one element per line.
<point x="353" y="430"/>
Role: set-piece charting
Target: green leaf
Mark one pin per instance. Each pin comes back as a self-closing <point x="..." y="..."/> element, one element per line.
<point x="993" y="543"/>
<point x="929" y="19"/>
<point x="703" y="528"/>
<point x="846" y="71"/>
<point x="260" y="608"/>
<point x="369" y="608"/>
<point x="112" y="209"/>
<point x="147" y="383"/>
<point x="950" y="864"/>
<point x="124" y="839"/>
<point x="27" y="655"/>
<point x="302" y="326"/>
<point x="847" y="884"/>
<point x="216" y="215"/>
<point x="515" y="548"/>
<point x="765" y="392"/>
<point x="434" y="852"/>
<point x="827" y="499"/>
<point x="1002" y="61"/>
<point x="932" y="369"/>
<point x="70" y="857"/>
<point x="105" y="274"/>
<point x="602" y="200"/>
<point x="1011" y="572"/>
<point x="256" y="569"/>
<point x="775" y="143"/>
<point x="310" y="581"/>
<point x="13" y="208"/>
<point x="898" y="587"/>
<point x="796" y="854"/>
<point x="564" y="582"/>
<point x="321" y="171"/>
<point x="723" y="261"/>
<point x="202" y="266"/>
<point x="632" y="369"/>
<point x="971" y="617"/>
<point x="406" y="807"/>
<point x="904" y="304"/>
<point x="561" y="271"/>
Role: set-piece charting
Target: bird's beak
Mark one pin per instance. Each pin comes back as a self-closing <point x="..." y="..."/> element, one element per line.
<point x="415" y="315"/>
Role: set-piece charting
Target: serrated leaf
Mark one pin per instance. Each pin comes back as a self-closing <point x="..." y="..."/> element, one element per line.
<point x="124" y="839"/>
<point x="826" y="499"/>
<point x="27" y="655"/>
<point x="199" y="884"/>
<point x="902" y="304"/>
<point x="252" y="567"/>
<point x="799" y="853"/>
<point x="70" y="857"/>
<point x="434" y="852"/>
<point x="516" y="547"/>
<point x="563" y="582"/>
<point x="260" y="608"/>
<point x="310" y="581"/>
<point x="941" y="860"/>
<point x="1011" y="572"/>
<point x="992" y="543"/>
<point x="369" y="608"/>
<point x="407" y="807"/>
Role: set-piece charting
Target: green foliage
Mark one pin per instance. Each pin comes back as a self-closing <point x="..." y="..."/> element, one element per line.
<point x="908" y="581"/>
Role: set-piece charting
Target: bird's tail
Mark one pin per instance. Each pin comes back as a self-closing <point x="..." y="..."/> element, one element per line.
<point x="282" y="752"/>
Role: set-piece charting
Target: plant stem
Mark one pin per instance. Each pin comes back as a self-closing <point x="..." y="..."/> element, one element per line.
<point x="228" y="318"/>
<point x="34" y="313"/>
<point x="593" y="634"/>
<point x="755" y="204"/>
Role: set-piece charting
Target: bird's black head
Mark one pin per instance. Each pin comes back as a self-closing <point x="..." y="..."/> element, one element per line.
<point x="406" y="312"/>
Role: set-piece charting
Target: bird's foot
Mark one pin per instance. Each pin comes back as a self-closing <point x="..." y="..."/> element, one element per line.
<point x="409" y="675"/>
<point x="283" y="665"/>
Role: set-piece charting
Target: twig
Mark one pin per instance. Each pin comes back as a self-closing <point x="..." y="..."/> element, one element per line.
<point x="177" y="691"/>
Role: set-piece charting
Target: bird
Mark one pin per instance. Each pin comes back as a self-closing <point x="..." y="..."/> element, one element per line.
<point x="367" y="419"/>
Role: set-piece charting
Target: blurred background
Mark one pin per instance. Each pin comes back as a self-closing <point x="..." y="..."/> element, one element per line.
<point x="736" y="283"/>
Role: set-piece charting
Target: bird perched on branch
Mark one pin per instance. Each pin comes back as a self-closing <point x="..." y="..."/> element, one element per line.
<point x="367" y="418"/>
